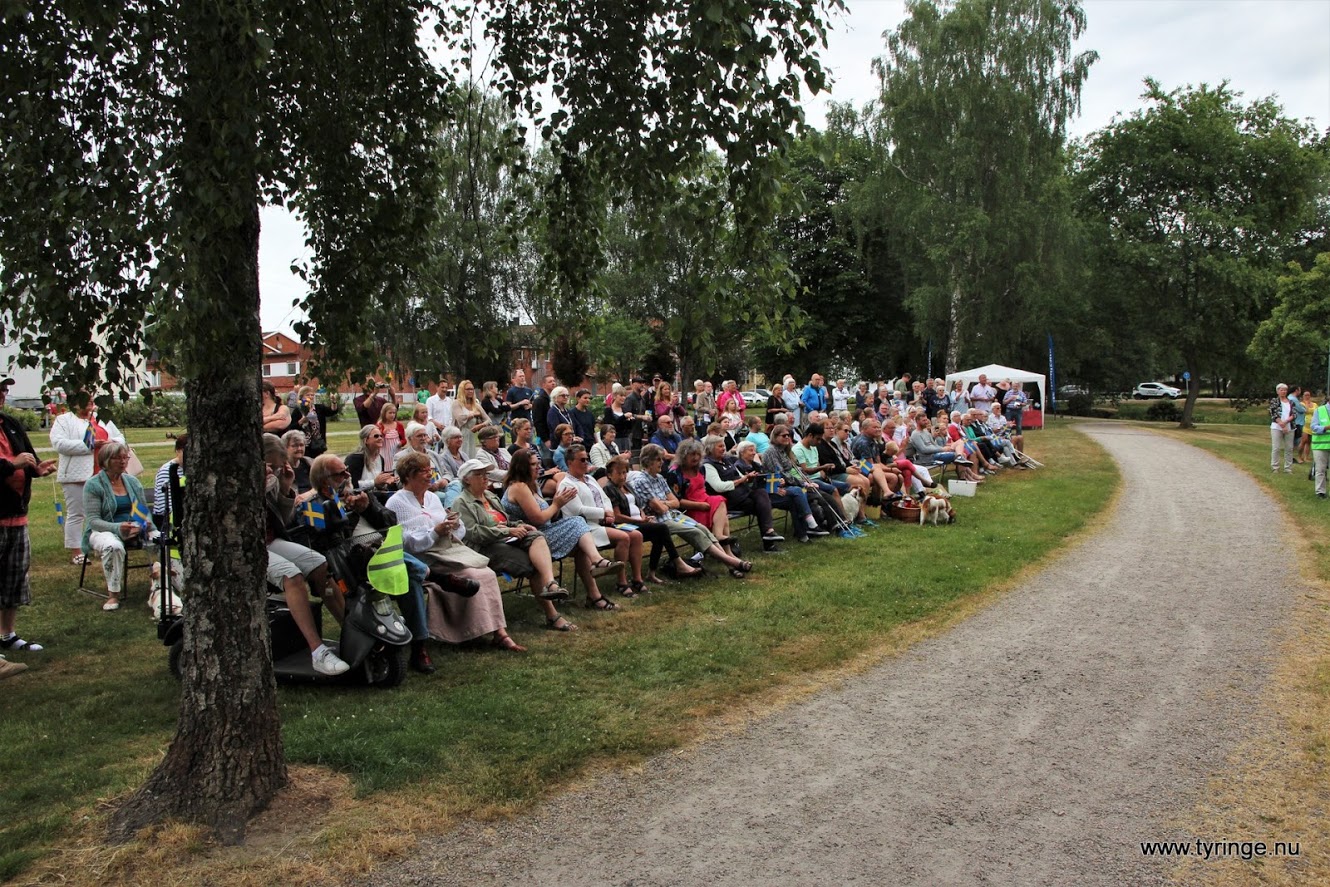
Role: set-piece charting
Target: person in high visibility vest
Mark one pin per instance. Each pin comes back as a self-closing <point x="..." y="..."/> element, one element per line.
<point x="348" y="515"/>
<point x="1320" y="426"/>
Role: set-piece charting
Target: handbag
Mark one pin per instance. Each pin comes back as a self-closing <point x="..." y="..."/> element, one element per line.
<point x="449" y="555"/>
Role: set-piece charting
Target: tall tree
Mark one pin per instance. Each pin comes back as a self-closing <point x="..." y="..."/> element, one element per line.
<point x="1200" y="195"/>
<point x="975" y="101"/>
<point x="1292" y="341"/>
<point x="139" y="139"/>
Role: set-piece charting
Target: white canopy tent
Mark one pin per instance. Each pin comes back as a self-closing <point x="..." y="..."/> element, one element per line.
<point x="997" y="373"/>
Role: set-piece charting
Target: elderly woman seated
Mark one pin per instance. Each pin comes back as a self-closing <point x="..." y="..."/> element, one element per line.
<point x="695" y="500"/>
<point x="115" y="517"/>
<point x="452" y="456"/>
<point x="352" y="518"/>
<point x="654" y="497"/>
<point x="294" y="441"/>
<point x="593" y="506"/>
<point x="606" y="449"/>
<point x="741" y="485"/>
<point x="513" y="547"/>
<point x="292" y="567"/>
<point x="569" y="534"/>
<point x="491" y="452"/>
<point x="434" y="535"/>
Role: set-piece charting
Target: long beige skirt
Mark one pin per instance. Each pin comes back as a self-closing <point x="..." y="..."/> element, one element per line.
<point x="454" y="619"/>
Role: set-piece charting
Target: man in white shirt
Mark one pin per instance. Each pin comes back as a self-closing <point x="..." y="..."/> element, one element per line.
<point x="440" y="407"/>
<point x="840" y="397"/>
<point x="982" y="395"/>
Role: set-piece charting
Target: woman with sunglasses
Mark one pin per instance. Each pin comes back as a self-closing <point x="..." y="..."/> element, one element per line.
<point x="370" y="469"/>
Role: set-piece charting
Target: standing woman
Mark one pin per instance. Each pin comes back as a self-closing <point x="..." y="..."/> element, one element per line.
<point x="493" y="403"/>
<point x="276" y="415"/>
<point x="394" y="434"/>
<point x="468" y="416"/>
<point x="558" y="414"/>
<point x="77" y="437"/>
<point x="584" y="421"/>
<point x="1308" y="407"/>
<point x="615" y="414"/>
<point x="667" y="404"/>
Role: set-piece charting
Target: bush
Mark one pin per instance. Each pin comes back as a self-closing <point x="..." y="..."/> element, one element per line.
<point x="29" y="419"/>
<point x="1163" y="411"/>
<point x="165" y="411"/>
<point x="1080" y="404"/>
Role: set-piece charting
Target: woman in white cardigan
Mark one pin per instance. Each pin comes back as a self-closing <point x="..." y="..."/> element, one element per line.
<point x="594" y="507"/>
<point x="78" y="450"/>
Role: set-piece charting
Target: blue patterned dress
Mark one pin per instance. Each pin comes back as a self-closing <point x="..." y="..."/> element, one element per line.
<point x="561" y="535"/>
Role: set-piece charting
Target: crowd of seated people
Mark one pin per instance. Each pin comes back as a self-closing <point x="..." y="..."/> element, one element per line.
<point x="480" y="494"/>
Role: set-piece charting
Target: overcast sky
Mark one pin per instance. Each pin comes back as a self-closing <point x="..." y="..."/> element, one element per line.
<point x="1262" y="47"/>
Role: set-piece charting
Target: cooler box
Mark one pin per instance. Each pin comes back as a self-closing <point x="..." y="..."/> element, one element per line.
<point x="961" y="487"/>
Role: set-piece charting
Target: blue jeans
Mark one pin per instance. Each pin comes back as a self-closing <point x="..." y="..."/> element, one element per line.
<point x="796" y="500"/>
<point x="412" y="604"/>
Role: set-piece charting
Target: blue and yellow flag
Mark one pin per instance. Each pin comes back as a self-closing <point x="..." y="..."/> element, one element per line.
<point x="434" y="477"/>
<point x="139" y="515"/>
<point x="89" y="438"/>
<point x="312" y="515"/>
<point x="60" y="513"/>
<point x="865" y="467"/>
<point x="773" y="484"/>
<point x="337" y="500"/>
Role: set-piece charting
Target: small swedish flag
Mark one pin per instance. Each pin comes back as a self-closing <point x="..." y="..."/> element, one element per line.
<point x="312" y="515"/>
<point x="89" y="438"/>
<point x="139" y="515"/>
<point x="865" y="467"/>
<point x="773" y="484"/>
<point x="60" y="513"/>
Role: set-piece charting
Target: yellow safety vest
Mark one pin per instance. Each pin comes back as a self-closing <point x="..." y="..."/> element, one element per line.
<point x="1322" y="441"/>
<point x="387" y="570"/>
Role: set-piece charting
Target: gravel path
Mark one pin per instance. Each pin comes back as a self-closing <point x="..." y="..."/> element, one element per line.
<point x="1036" y="743"/>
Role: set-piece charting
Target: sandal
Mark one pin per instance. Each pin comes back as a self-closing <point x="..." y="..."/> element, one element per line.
<point x="600" y="603"/>
<point x="554" y="624"/>
<point x="111" y="604"/>
<point x="604" y="565"/>
<point x="737" y="573"/>
<point x="553" y="592"/>
<point x="639" y="587"/>
<point x="507" y="643"/>
<point x="626" y="591"/>
<point x="79" y="560"/>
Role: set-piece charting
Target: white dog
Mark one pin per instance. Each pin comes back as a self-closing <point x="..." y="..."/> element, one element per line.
<point x="935" y="505"/>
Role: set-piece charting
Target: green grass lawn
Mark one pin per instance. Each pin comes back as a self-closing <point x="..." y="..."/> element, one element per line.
<point x="490" y="729"/>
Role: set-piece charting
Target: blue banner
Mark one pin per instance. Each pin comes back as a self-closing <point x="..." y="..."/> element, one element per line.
<point x="929" y="373"/>
<point x="1052" y="380"/>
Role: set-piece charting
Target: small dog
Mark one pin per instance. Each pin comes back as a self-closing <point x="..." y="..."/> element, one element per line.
<point x="850" y="502"/>
<point x="936" y="505"/>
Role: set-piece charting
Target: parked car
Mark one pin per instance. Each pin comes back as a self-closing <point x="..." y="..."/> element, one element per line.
<point x="1155" y="389"/>
<point x="758" y="397"/>
<point x="1069" y="391"/>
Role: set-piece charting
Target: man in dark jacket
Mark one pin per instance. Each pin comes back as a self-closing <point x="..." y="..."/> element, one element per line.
<point x="18" y="466"/>
<point x="540" y="407"/>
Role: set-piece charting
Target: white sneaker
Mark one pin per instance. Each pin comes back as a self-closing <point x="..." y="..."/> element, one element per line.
<point x="326" y="662"/>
